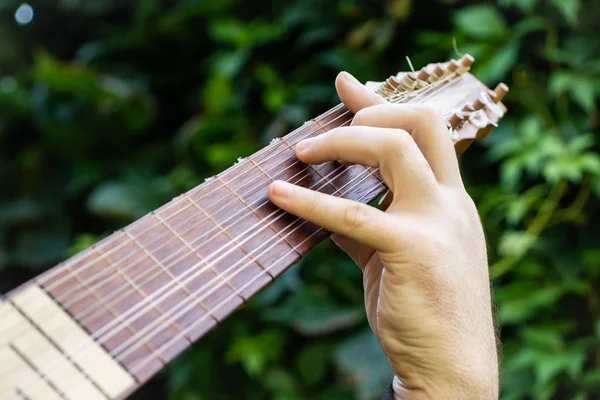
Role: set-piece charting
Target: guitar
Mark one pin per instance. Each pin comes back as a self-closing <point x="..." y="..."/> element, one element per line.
<point x="102" y="323"/>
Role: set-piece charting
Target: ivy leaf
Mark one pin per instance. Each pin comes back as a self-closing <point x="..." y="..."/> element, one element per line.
<point x="481" y="22"/>
<point x="362" y="359"/>
<point x="514" y="243"/>
<point x="568" y="8"/>
<point x="312" y="361"/>
<point x="255" y="352"/>
<point x="311" y="313"/>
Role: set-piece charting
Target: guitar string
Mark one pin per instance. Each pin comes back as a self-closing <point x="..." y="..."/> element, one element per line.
<point x="80" y="352"/>
<point x="69" y="263"/>
<point x="81" y="317"/>
<point x="199" y="290"/>
<point x="165" y="346"/>
<point x="188" y="228"/>
<point x="395" y="98"/>
<point x="85" y="314"/>
<point x="421" y="92"/>
<point x="210" y="283"/>
<point x="40" y="312"/>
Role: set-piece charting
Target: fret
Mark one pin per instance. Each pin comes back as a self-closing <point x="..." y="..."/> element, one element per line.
<point x="180" y="261"/>
<point x="340" y="117"/>
<point x="173" y="328"/>
<point x="256" y="165"/>
<point x="44" y="352"/>
<point x="224" y="269"/>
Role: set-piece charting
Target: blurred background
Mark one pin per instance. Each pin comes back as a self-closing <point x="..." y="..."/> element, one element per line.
<point x="109" y="108"/>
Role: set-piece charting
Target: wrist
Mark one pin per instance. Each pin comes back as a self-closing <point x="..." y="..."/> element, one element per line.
<point x="473" y="386"/>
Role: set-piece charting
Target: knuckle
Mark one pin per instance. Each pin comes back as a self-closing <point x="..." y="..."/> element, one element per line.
<point x="362" y="117"/>
<point x="397" y="141"/>
<point x="429" y="113"/>
<point x="354" y="215"/>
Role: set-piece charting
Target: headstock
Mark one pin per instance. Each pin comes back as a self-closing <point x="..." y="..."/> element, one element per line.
<point x="471" y="109"/>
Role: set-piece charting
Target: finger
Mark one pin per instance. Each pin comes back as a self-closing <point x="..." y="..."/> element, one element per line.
<point x="372" y="85"/>
<point x="392" y="150"/>
<point x="427" y="128"/>
<point x="354" y="94"/>
<point x="358" y="252"/>
<point x="363" y="223"/>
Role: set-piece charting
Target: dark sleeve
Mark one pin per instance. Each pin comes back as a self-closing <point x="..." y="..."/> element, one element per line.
<point x="389" y="393"/>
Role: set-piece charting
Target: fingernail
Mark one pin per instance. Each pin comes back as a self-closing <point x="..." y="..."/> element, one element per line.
<point x="282" y="189"/>
<point x="350" y="78"/>
<point x="303" y="146"/>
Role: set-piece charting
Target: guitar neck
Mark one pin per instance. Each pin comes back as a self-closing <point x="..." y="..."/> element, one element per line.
<point x="102" y="323"/>
<point x="143" y="295"/>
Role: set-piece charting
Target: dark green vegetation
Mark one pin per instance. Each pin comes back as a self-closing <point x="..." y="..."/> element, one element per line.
<point x="108" y="108"/>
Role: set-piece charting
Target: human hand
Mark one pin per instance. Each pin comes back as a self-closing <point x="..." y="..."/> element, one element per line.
<point x="427" y="290"/>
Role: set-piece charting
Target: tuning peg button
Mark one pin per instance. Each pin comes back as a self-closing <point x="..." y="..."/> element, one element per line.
<point x="453" y="66"/>
<point x="423" y="75"/>
<point x="500" y="91"/>
<point x="456" y="119"/>
<point x="468" y="107"/>
<point x="467" y="60"/>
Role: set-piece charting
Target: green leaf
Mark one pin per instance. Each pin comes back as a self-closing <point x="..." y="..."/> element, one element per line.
<point x="310" y="312"/>
<point x="255" y="352"/>
<point x="481" y="22"/>
<point x="311" y="363"/>
<point x="361" y="358"/>
<point x="515" y="243"/>
<point x="569" y="9"/>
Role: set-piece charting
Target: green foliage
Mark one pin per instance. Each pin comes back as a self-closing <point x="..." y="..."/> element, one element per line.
<point x="110" y="108"/>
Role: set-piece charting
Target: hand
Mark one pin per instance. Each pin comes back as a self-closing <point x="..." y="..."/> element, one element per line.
<point x="427" y="289"/>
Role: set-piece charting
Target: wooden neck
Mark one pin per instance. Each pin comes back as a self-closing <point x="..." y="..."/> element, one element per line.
<point x="148" y="291"/>
<point x="105" y="321"/>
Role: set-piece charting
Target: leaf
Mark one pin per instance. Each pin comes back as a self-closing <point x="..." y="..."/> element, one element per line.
<point x="481" y="22"/>
<point x="255" y="352"/>
<point x="128" y="199"/>
<point x="311" y="363"/>
<point x="568" y="8"/>
<point x="515" y="243"/>
<point x="361" y="358"/>
<point x="311" y="313"/>
<point x="524" y="5"/>
<point x="582" y="88"/>
<point x="548" y="365"/>
<point x="496" y="67"/>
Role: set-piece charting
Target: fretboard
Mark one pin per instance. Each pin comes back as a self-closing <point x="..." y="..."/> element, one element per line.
<point x="144" y="294"/>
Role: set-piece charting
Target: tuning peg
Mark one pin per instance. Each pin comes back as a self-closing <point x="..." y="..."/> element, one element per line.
<point x="423" y="75"/>
<point x="468" y="107"/>
<point x="500" y="91"/>
<point x="409" y="81"/>
<point x="453" y="66"/>
<point x="479" y="103"/>
<point x="437" y="74"/>
<point x="467" y="60"/>
<point x="456" y="119"/>
<point x="394" y="82"/>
